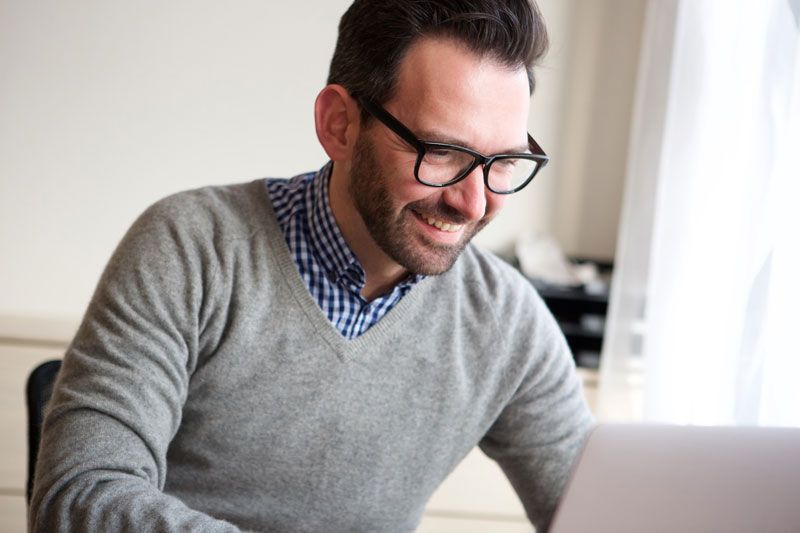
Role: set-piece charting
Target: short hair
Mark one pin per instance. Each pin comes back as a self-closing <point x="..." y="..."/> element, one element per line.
<point x="374" y="36"/>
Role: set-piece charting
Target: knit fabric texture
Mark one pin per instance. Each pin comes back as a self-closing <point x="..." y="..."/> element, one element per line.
<point x="205" y="389"/>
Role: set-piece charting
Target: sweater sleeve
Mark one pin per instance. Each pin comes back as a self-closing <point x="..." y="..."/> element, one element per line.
<point x="118" y="399"/>
<point x="541" y="429"/>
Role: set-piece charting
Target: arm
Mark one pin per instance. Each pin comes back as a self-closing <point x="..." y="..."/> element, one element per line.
<point x="541" y="429"/>
<point x="118" y="399"/>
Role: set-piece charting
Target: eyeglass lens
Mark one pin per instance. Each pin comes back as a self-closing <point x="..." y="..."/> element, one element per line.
<point x="442" y="165"/>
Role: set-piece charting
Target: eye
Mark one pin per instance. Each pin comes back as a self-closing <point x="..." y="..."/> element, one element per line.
<point x="440" y="153"/>
<point x="505" y="166"/>
<point x="441" y="156"/>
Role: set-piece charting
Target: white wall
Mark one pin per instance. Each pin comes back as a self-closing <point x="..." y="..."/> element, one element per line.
<point x="532" y="210"/>
<point x="604" y="38"/>
<point x="106" y="106"/>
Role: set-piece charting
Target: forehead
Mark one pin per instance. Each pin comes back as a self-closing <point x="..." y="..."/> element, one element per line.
<point x="444" y="88"/>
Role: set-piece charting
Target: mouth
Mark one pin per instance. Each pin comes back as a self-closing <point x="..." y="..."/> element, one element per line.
<point x="440" y="224"/>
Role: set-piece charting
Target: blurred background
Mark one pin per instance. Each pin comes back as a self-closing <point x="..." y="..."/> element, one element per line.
<point x="108" y="107"/>
<point x="662" y="234"/>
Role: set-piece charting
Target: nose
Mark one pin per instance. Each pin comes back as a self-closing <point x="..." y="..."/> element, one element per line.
<point x="468" y="196"/>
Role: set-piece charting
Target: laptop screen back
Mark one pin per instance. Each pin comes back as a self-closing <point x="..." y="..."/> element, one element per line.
<point x="635" y="478"/>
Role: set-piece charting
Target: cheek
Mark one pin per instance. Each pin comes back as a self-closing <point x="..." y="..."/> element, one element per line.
<point x="397" y="169"/>
<point x="494" y="203"/>
<point x="401" y="168"/>
<point x="405" y="188"/>
<point x="416" y="193"/>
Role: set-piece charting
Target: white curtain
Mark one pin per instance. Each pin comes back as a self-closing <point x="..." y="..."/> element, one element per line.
<point x="704" y="321"/>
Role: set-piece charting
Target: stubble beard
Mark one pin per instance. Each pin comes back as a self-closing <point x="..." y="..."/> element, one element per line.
<point x="396" y="234"/>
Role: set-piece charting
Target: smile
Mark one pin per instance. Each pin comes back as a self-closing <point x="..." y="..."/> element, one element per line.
<point x="438" y="224"/>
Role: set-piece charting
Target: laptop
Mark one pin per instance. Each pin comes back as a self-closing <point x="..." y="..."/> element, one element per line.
<point x="691" y="479"/>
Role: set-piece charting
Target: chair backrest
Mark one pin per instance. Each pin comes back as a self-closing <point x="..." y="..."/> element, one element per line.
<point x="37" y="392"/>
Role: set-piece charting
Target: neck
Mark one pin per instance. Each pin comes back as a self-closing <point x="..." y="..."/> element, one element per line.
<point x="381" y="271"/>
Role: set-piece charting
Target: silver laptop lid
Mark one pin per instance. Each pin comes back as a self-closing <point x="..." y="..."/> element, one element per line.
<point x="651" y="478"/>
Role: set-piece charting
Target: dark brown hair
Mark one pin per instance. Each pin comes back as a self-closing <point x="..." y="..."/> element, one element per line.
<point x="374" y="36"/>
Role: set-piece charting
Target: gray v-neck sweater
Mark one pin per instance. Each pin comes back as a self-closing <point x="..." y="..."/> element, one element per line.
<point x="205" y="389"/>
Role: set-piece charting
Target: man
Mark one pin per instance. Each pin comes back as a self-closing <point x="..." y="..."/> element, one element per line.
<point x="318" y="354"/>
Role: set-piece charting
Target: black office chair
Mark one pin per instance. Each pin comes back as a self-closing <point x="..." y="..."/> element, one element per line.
<point x="37" y="394"/>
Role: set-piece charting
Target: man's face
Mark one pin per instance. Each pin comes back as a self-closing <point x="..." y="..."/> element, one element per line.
<point x="444" y="93"/>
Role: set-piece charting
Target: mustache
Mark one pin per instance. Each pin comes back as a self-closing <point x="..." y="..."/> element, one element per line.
<point x="439" y="210"/>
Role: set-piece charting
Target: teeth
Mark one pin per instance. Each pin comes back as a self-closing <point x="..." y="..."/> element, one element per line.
<point x="444" y="226"/>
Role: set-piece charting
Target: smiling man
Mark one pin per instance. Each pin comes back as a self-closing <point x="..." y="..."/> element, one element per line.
<point x="447" y="94"/>
<point x="319" y="353"/>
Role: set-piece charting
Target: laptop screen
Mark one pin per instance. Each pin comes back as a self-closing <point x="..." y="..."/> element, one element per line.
<point x="637" y="478"/>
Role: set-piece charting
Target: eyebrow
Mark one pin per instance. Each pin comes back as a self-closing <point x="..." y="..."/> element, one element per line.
<point x="432" y="136"/>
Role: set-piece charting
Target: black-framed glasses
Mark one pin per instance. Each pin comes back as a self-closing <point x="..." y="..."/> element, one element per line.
<point x="443" y="164"/>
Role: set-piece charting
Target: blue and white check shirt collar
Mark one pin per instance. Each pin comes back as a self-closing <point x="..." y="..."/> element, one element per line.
<point x="327" y="265"/>
<point x="326" y="240"/>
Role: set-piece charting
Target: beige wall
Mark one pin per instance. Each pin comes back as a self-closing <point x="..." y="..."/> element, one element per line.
<point x="604" y="38"/>
<point x="533" y="209"/>
<point x="104" y="108"/>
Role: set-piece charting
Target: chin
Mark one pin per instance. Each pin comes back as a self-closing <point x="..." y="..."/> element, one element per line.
<point x="429" y="259"/>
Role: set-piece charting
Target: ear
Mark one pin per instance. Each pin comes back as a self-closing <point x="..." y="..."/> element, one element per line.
<point x="337" y="119"/>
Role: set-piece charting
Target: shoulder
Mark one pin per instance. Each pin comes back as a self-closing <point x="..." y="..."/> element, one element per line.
<point x="195" y="229"/>
<point x="236" y="208"/>
<point x="491" y="290"/>
<point x="485" y="275"/>
<point x="482" y="289"/>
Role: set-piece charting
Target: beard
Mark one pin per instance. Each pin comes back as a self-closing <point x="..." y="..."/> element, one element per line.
<point x="395" y="231"/>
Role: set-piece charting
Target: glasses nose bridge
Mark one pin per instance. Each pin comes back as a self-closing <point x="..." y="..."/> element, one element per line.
<point x="479" y="160"/>
<point x="485" y="162"/>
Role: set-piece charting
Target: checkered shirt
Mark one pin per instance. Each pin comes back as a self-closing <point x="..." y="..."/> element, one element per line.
<point x="326" y="263"/>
